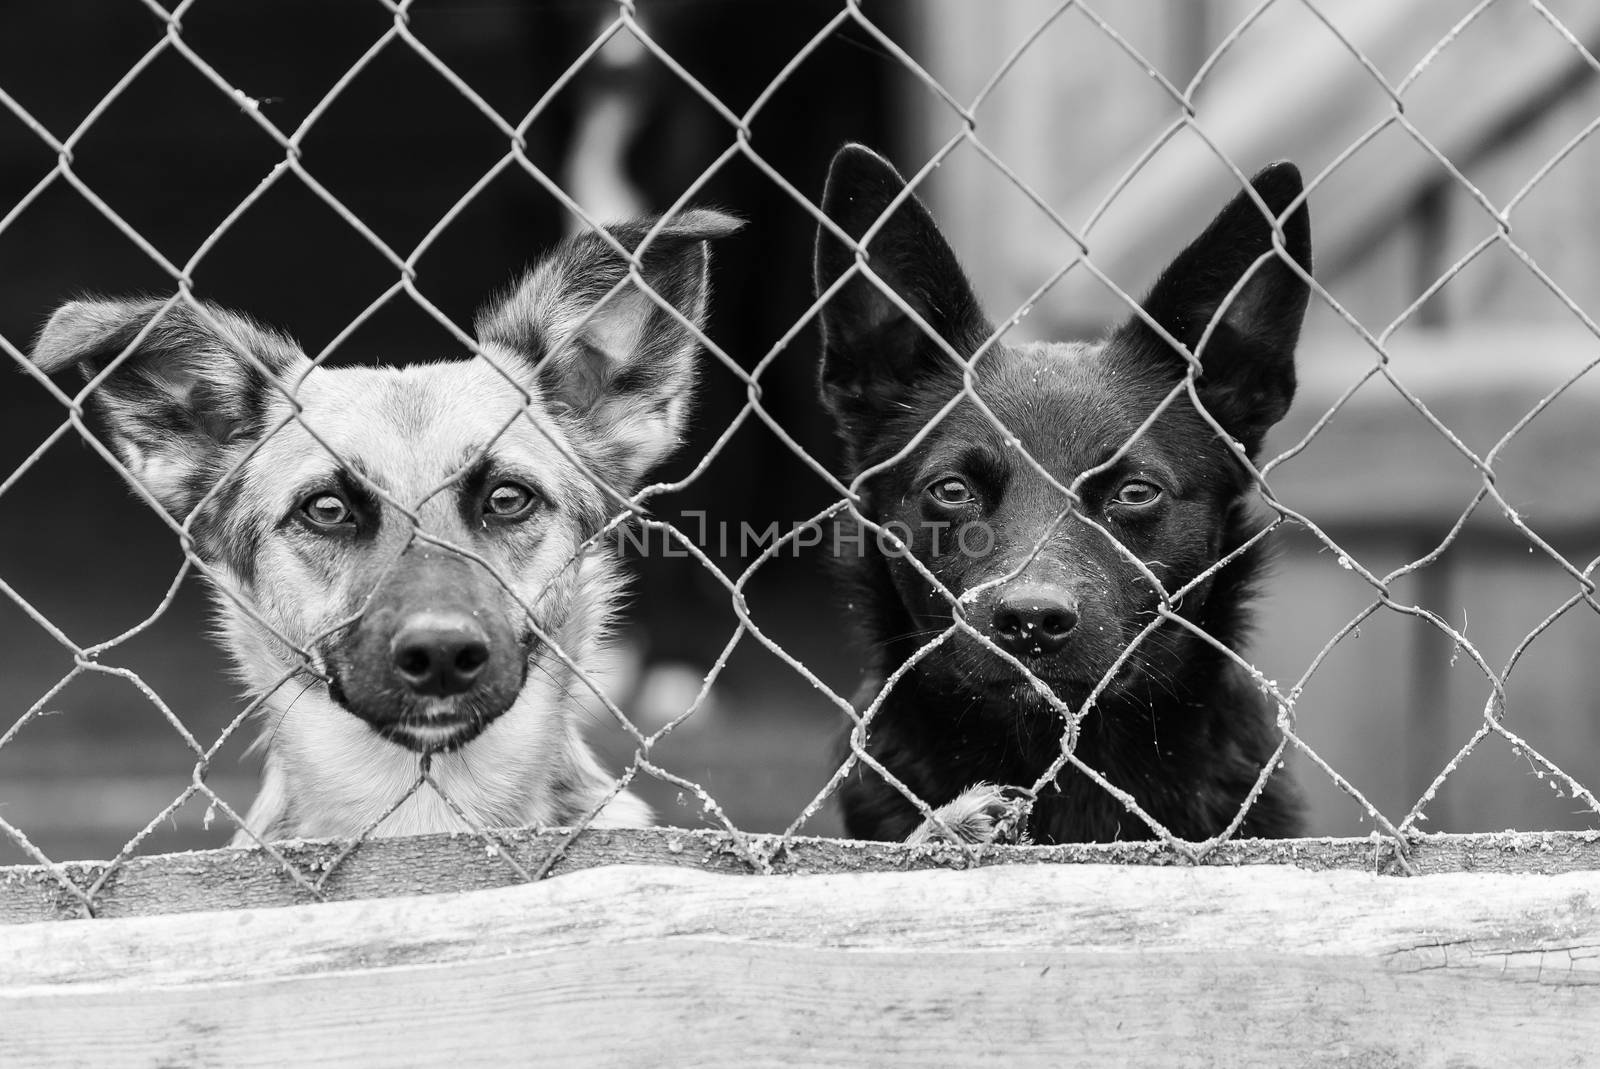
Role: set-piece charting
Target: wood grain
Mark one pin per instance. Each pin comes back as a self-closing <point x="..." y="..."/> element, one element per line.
<point x="386" y="868"/>
<point x="1036" y="964"/>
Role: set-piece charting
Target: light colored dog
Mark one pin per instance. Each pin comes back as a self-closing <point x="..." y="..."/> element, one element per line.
<point x="419" y="533"/>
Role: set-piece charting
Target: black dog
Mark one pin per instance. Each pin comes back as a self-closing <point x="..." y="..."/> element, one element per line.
<point x="1178" y="725"/>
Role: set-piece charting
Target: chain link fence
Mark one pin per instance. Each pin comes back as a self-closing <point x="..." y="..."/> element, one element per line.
<point x="627" y="24"/>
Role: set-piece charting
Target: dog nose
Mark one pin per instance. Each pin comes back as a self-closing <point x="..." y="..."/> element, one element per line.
<point x="1032" y="621"/>
<point x="440" y="654"/>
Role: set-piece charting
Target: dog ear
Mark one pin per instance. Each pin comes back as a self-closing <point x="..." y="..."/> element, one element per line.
<point x="1247" y="375"/>
<point x="614" y="367"/>
<point x="194" y="385"/>
<point x="872" y="352"/>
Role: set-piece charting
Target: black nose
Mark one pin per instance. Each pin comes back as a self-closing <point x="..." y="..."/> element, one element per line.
<point x="1031" y="621"/>
<point x="440" y="653"/>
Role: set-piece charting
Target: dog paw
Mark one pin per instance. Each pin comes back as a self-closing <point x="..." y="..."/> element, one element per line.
<point x="983" y="813"/>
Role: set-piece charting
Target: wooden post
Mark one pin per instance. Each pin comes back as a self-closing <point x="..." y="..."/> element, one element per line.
<point x="1014" y="965"/>
<point x="210" y="880"/>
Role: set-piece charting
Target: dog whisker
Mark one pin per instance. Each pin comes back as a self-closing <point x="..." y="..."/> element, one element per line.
<point x="279" y="719"/>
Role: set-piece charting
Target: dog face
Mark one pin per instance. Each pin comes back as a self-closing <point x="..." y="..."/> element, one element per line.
<point x="419" y="551"/>
<point x="415" y="531"/>
<point x="977" y="489"/>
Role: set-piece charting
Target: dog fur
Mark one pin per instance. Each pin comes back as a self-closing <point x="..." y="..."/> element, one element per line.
<point x="436" y="635"/>
<point x="1179" y="725"/>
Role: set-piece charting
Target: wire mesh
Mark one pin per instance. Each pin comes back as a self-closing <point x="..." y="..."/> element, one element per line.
<point x="630" y="509"/>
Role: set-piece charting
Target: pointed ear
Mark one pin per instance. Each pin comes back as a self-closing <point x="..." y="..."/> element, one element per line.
<point x="192" y="393"/>
<point x="873" y="354"/>
<point x="1247" y="368"/>
<point x="617" y="370"/>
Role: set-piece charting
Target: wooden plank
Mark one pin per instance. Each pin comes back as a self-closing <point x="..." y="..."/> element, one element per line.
<point x="431" y="864"/>
<point x="1380" y="464"/>
<point x="1511" y="63"/>
<point x="1356" y="710"/>
<point x="1029" y="965"/>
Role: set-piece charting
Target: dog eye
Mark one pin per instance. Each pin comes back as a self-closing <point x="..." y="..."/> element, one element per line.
<point x="951" y="491"/>
<point x="326" y="510"/>
<point x="1137" y="493"/>
<point x="509" y="501"/>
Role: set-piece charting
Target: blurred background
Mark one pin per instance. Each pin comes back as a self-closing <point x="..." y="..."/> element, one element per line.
<point x="1459" y="230"/>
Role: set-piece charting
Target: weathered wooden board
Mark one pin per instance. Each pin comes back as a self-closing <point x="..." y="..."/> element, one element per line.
<point x="430" y="864"/>
<point x="1023" y="965"/>
<point x="1476" y="94"/>
<point x="1380" y="465"/>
